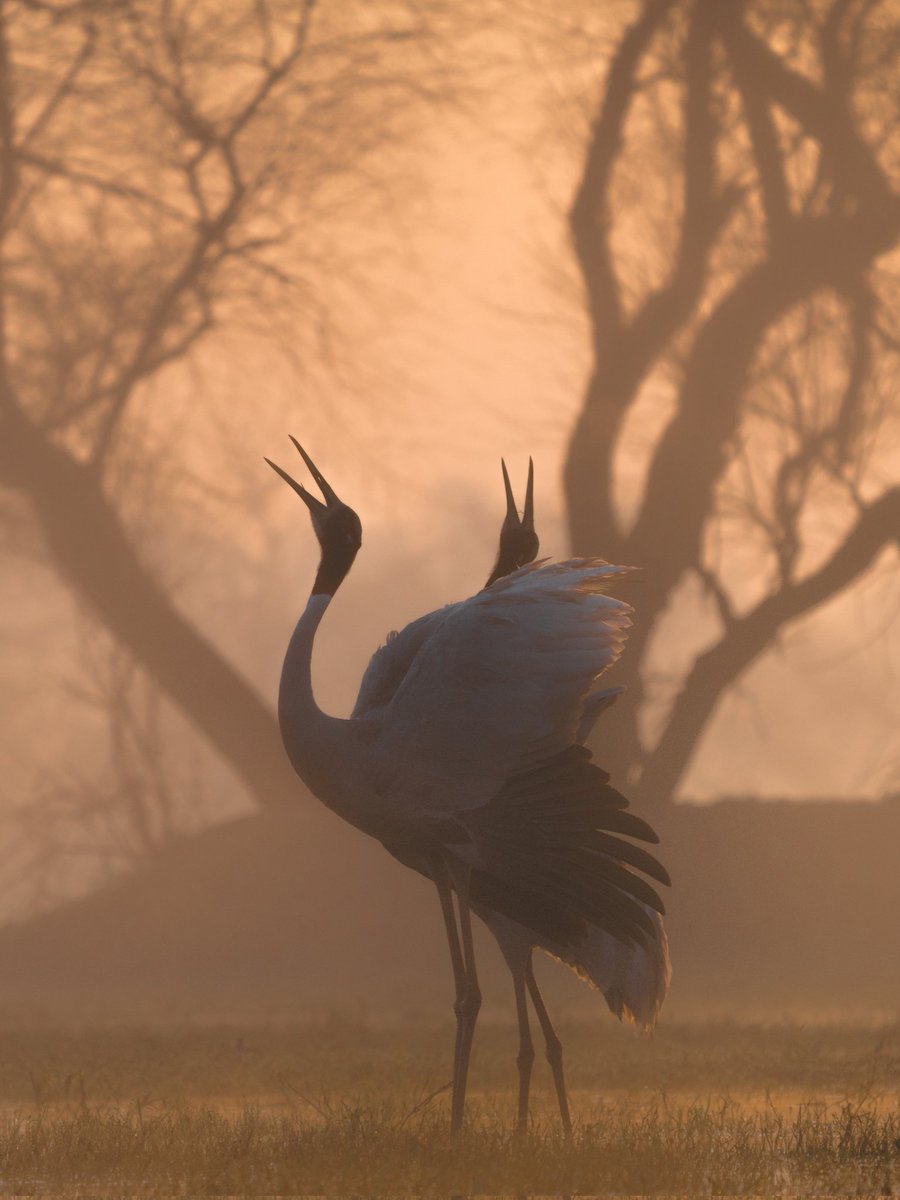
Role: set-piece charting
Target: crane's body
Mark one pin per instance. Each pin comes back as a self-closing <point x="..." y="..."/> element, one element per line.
<point x="464" y="756"/>
<point x="633" y="980"/>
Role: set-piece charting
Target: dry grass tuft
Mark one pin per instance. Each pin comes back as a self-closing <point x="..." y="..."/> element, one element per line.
<point x="337" y="1108"/>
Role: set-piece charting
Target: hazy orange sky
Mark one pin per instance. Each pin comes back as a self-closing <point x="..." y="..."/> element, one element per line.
<point x="490" y="360"/>
<point x="481" y="353"/>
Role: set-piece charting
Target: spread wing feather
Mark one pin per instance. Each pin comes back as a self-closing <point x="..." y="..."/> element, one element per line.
<point x="525" y="839"/>
<point x="389" y="664"/>
<point x="498" y="686"/>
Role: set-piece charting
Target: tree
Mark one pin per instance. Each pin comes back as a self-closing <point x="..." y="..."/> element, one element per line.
<point x="753" y="147"/>
<point x="171" y="171"/>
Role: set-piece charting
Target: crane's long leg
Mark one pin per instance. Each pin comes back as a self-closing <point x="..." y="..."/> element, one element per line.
<point x="466" y="998"/>
<point x="553" y="1046"/>
<point x="470" y="1004"/>
<point x="519" y="970"/>
<point x="445" y="895"/>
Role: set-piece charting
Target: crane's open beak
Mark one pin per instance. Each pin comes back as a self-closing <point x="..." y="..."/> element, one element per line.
<point x="519" y="543"/>
<point x="512" y="513"/>
<point x="315" y="506"/>
<point x="335" y="524"/>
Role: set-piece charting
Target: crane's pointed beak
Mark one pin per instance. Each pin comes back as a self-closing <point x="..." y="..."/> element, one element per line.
<point x="327" y="490"/>
<point x="512" y="513"/>
<point x="337" y="527"/>
<point x="315" y="506"/>
<point x="528" y="515"/>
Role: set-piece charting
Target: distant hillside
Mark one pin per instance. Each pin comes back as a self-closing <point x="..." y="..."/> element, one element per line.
<point x="774" y="905"/>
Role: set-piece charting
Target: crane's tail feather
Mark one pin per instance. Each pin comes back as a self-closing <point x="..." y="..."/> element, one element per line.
<point x="551" y="856"/>
<point x="633" y="979"/>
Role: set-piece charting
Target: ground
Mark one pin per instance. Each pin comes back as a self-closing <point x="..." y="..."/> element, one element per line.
<point x="344" y="1107"/>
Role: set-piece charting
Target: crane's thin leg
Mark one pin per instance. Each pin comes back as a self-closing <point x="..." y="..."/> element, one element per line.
<point x="445" y="894"/>
<point x="553" y="1046"/>
<point x="519" y="970"/>
<point x="471" y="1000"/>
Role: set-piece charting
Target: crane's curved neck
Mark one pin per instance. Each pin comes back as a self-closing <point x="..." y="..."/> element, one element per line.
<point x="314" y="741"/>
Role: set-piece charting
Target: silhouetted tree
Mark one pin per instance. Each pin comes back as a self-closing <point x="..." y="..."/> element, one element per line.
<point x="88" y="823"/>
<point x="733" y="224"/>
<point x="169" y="170"/>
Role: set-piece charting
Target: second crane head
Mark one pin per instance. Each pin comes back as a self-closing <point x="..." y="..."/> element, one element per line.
<point x="518" y="541"/>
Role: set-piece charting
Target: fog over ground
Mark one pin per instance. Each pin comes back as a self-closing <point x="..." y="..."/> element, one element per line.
<point x="468" y="344"/>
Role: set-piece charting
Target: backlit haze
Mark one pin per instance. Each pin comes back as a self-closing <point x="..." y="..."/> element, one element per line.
<point x="470" y="346"/>
<point x="484" y="355"/>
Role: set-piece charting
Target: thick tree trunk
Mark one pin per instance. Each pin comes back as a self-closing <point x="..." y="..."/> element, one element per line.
<point x="804" y="253"/>
<point x="96" y="559"/>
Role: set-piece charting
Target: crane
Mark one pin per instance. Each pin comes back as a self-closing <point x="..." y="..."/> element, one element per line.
<point x="464" y="756"/>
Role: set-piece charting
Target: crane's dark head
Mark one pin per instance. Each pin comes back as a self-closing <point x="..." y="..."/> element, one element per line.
<point x="336" y="525"/>
<point x="518" y="541"/>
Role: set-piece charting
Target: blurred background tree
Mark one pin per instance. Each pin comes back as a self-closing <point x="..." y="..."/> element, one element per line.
<point x="177" y="177"/>
<point x="179" y="183"/>
<point x="735" y="226"/>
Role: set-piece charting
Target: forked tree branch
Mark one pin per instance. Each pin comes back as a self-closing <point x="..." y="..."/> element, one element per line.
<point x="590" y="221"/>
<point x="767" y="153"/>
<point x="693" y="451"/>
<point x="747" y="637"/>
<point x="827" y="245"/>
<point x="824" y="118"/>
<point x="63" y="88"/>
<point x="210" y="244"/>
<point x="109" y="187"/>
<point x="625" y="352"/>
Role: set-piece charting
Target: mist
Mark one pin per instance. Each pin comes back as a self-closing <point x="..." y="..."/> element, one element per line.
<point x="415" y="312"/>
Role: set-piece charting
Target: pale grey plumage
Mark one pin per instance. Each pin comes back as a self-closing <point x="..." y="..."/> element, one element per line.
<point x="463" y="757"/>
<point x="633" y="979"/>
<point x="498" y="685"/>
<point x="390" y="663"/>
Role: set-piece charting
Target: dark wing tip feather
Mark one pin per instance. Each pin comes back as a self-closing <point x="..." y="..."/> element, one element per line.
<point x="546" y="838"/>
<point x="621" y="821"/>
<point x="635" y="856"/>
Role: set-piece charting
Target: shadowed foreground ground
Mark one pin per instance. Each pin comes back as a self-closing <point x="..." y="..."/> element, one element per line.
<point x="343" y="1108"/>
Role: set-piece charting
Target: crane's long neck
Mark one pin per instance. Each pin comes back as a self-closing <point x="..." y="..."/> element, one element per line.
<point x="315" y="742"/>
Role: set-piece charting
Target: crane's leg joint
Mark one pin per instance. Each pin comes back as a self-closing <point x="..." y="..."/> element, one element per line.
<point x="468" y="1006"/>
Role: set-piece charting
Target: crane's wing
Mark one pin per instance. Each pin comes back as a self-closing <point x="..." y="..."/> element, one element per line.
<point x="389" y="664"/>
<point x="498" y="687"/>
<point x="595" y="704"/>
<point x="550" y="851"/>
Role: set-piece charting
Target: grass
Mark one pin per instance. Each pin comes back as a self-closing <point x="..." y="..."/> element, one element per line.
<point x="707" y="1147"/>
<point x="341" y="1108"/>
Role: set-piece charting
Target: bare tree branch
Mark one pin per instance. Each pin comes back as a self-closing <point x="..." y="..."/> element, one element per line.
<point x="111" y="187"/>
<point x="182" y="145"/>
<point x="824" y="118"/>
<point x="275" y="73"/>
<point x="766" y="152"/>
<point x="692" y="453"/>
<point x="814" y="208"/>
<point x="589" y="217"/>
<point x="149" y="353"/>
<point x="877" y="527"/>
<point x="625" y="353"/>
<point x="63" y="90"/>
